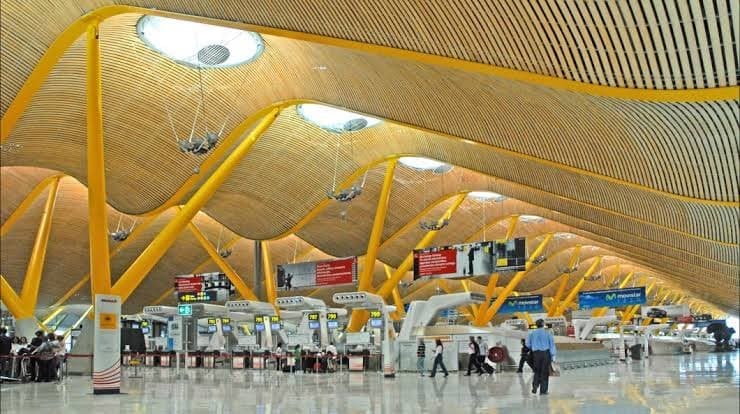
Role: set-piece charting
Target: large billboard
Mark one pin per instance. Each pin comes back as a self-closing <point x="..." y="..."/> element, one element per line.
<point x="456" y="261"/>
<point x="470" y="259"/>
<point x="324" y="273"/>
<point x="611" y="298"/>
<point x="204" y="287"/>
<point x="665" y="311"/>
<point x="513" y="304"/>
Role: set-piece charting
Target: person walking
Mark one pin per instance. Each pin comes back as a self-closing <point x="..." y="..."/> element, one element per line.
<point x="525" y="357"/>
<point x="438" y="362"/>
<point x="542" y="344"/>
<point x="483" y="345"/>
<point x="421" y="353"/>
<point x="473" y="354"/>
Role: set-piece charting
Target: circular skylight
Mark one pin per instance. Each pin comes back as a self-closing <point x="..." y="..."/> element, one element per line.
<point x="198" y="44"/>
<point x="486" y="196"/>
<point x="335" y="119"/>
<point x="425" y="164"/>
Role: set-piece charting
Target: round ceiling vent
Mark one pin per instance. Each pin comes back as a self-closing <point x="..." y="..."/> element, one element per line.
<point x="213" y="55"/>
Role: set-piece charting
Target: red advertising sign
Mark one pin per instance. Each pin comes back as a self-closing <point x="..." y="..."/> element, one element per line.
<point x="325" y="273"/>
<point x="335" y="272"/>
<point x="437" y="263"/>
<point x="189" y="284"/>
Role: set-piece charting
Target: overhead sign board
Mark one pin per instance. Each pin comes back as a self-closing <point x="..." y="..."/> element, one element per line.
<point x="513" y="304"/>
<point x="275" y="322"/>
<point x="611" y="298"/>
<point x="456" y="261"/>
<point x="470" y="259"/>
<point x="204" y="287"/>
<point x="310" y="274"/>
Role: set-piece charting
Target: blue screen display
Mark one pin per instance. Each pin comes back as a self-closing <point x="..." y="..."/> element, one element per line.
<point x="376" y="323"/>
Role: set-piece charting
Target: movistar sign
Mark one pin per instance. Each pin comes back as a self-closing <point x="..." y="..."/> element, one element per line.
<point x="612" y="298"/>
<point x="532" y="303"/>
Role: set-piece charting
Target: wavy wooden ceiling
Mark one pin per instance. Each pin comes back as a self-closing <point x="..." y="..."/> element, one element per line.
<point x="655" y="182"/>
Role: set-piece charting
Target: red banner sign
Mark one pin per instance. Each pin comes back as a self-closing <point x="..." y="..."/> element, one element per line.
<point x="189" y="284"/>
<point x="335" y="272"/>
<point x="437" y="263"/>
<point x="325" y="273"/>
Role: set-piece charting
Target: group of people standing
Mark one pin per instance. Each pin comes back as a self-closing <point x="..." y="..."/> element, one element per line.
<point x="45" y="352"/>
<point x="538" y="351"/>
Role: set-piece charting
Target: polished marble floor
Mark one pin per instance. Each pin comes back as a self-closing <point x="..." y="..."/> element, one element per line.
<point x="702" y="383"/>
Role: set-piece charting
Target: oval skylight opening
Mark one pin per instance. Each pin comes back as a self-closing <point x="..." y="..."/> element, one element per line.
<point x="197" y="44"/>
<point x="530" y="219"/>
<point x="335" y="119"/>
<point x="425" y="164"/>
<point x="486" y="196"/>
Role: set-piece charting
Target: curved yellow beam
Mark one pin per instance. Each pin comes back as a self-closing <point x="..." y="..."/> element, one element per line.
<point x="11" y="300"/>
<point x="69" y="35"/>
<point x="32" y="280"/>
<point x="27" y="202"/>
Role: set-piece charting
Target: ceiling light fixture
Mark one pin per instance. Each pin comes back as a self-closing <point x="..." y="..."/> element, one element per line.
<point x="335" y="119"/>
<point x="199" y="45"/>
<point x="526" y="218"/>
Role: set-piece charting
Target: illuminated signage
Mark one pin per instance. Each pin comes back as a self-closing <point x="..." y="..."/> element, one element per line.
<point x="376" y="323"/>
<point x="211" y="321"/>
<point x="225" y="320"/>
<point x="259" y="319"/>
<point x="184" y="310"/>
<point x="331" y="316"/>
<point x="375" y="314"/>
<point x="144" y="324"/>
<point x="313" y="316"/>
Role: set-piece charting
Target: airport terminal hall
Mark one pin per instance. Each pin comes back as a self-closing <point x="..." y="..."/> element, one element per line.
<point x="369" y="206"/>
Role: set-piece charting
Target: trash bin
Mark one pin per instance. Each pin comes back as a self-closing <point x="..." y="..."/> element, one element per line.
<point x="636" y="351"/>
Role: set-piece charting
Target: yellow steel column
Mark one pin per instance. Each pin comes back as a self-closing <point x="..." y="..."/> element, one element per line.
<point x="270" y="283"/>
<point x="564" y="281"/>
<point x="574" y="292"/>
<point x="26" y="203"/>
<point x="98" y="213"/>
<point x="366" y="277"/>
<point x="493" y="279"/>
<point x="485" y="317"/>
<point x="358" y="319"/>
<point x="11" y="300"/>
<point x="157" y="248"/>
<point x="622" y="285"/>
<point x="225" y="267"/>
<point x="35" y="269"/>
<point x="396" y="296"/>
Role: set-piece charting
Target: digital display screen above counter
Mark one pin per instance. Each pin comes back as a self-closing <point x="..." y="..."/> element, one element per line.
<point x="313" y="325"/>
<point x="332" y="324"/>
<point x="211" y="328"/>
<point x="275" y="323"/>
<point x="226" y="328"/>
<point x="376" y="323"/>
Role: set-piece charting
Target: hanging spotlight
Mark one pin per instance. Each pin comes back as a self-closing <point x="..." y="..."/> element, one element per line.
<point x="224" y="253"/>
<point x="539" y="259"/>
<point x="120" y="235"/>
<point x="345" y="195"/>
<point x="434" y="225"/>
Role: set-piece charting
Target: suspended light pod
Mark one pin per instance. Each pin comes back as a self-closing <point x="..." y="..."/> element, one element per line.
<point x="120" y="235"/>
<point x="224" y="253"/>
<point x="434" y="225"/>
